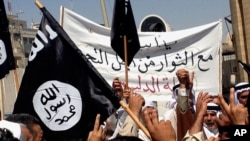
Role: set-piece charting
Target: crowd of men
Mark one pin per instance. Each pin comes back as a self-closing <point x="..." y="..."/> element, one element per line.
<point x="204" y="118"/>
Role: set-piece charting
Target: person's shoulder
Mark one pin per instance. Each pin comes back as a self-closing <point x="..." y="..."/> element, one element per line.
<point x="168" y="114"/>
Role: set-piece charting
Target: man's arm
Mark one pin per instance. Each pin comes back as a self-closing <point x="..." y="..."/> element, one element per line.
<point x="130" y="128"/>
<point x="195" y="133"/>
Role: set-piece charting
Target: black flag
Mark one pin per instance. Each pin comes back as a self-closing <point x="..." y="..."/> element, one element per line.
<point x="123" y="24"/>
<point x="7" y="61"/>
<point x="245" y="66"/>
<point x="61" y="88"/>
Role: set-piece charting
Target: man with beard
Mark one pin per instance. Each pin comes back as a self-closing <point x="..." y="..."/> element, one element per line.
<point x="210" y="127"/>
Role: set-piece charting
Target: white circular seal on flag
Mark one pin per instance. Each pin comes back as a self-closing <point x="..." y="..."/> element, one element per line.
<point x="59" y="105"/>
<point x="3" y="55"/>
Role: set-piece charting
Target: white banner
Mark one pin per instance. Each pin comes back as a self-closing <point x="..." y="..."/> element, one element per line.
<point x="152" y="72"/>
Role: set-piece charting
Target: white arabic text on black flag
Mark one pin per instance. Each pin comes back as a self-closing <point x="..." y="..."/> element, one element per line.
<point x="61" y="88"/>
<point x="7" y="61"/>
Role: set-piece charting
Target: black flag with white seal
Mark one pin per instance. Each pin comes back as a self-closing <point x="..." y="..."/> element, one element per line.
<point x="61" y="88"/>
<point x="7" y="60"/>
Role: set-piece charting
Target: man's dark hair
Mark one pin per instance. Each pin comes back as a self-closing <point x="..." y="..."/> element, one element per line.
<point x="126" y="138"/>
<point x="27" y="119"/>
<point x="6" y="135"/>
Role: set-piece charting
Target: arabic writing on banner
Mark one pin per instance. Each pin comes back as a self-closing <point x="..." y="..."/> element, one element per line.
<point x="152" y="72"/>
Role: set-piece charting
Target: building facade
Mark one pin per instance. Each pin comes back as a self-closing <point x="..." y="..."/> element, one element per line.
<point x="21" y="38"/>
<point x="240" y="15"/>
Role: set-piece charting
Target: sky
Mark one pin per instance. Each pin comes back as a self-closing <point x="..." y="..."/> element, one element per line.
<point x="179" y="14"/>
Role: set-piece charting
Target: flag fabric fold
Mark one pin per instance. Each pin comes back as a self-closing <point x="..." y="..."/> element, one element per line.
<point x="123" y="24"/>
<point x="245" y="66"/>
<point x="7" y="61"/>
<point x="61" y="88"/>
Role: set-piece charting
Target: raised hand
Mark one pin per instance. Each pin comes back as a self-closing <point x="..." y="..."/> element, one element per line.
<point x="135" y="102"/>
<point x="238" y="114"/>
<point x="98" y="133"/>
<point x="117" y="86"/>
<point x="222" y="120"/>
<point x="185" y="80"/>
<point x="201" y="109"/>
<point x="201" y="104"/>
<point x="159" y="130"/>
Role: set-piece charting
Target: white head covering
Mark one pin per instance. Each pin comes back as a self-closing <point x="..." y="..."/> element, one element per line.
<point x="149" y="103"/>
<point x="240" y="87"/>
<point x="15" y="128"/>
<point x="215" y="109"/>
<point x="211" y="132"/>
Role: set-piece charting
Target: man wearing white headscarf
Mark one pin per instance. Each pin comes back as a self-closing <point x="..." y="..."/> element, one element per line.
<point x="210" y="127"/>
<point x="14" y="128"/>
<point x="19" y="131"/>
<point x="241" y="93"/>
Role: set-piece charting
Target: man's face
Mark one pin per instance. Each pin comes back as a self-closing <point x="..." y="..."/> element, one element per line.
<point x="26" y="133"/>
<point x="243" y="96"/>
<point x="208" y="119"/>
<point x="37" y="132"/>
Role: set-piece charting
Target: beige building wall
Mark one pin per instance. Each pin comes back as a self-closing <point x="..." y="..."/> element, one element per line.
<point x="246" y="24"/>
<point x="240" y="15"/>
<point x="9" y="87"/>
